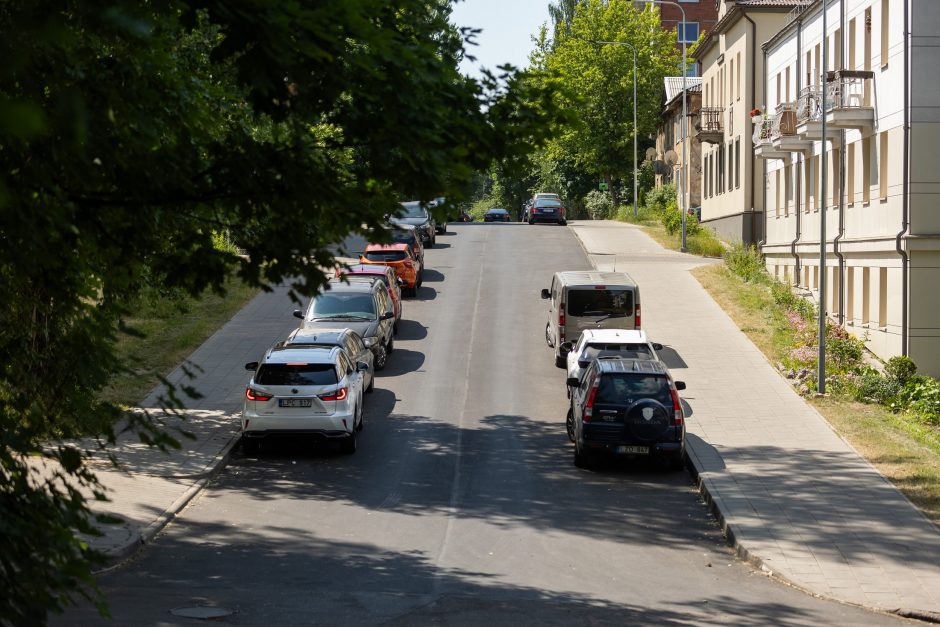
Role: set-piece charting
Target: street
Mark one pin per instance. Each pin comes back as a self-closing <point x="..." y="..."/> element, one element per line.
<point x="462" y="505"/>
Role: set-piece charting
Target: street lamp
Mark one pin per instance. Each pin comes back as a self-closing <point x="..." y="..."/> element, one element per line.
<point x="685" y="119"/>
<point x="821" y="357"/>
<point x="636" y="211"/>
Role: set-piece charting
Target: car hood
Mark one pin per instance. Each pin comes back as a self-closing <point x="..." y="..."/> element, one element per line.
<point x="365" y="328"/>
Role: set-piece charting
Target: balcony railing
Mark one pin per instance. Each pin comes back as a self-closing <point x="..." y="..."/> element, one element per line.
<point x="783" y="122"/>
<point x="709" y="126"/>
<point x="844" y="90"/>
<point x="763" y="132"/>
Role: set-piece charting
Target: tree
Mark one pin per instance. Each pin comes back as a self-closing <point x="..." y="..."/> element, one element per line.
<point x="130" y="132"/>
<point x="599" y="79"/>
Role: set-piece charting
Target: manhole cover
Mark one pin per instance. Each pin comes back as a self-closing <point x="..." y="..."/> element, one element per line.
<point x="202" y="611"/>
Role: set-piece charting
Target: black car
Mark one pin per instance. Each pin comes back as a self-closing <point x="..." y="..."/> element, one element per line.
<point x="627" y="407"/>
<point x="416" y="214"/>
<point x="547" y="210"/>
<point x="497" y="215"/>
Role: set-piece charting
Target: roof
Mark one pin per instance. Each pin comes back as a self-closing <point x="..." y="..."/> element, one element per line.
<point x="393" y="246"/>
<point x="338" y="285"/>
<point x="734" y="12"/>
<point x="591" y="278"/>
<point x="631" y="366"/>
<point x="365" y="268"/>
<point x="632" y="336"/>
<point x="673" y="85"/>
<point x="295" y="354"/>
<point x="316" y="336"/>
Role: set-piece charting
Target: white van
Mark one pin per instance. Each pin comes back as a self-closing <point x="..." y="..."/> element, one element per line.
<point x="589" y="300"/>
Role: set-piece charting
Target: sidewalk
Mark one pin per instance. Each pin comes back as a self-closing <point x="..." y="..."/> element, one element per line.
<point x="792" y="496"/>
<point x="151" y="487"/>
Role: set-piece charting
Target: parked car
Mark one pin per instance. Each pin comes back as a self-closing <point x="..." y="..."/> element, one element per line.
<point x="440" y="227"/>
<point x="582" y="300"/>
<point x="407" y="234"/>
<point x="607" y="344"/>
<point x="364" y="307"/>
<point x="381" y="272"/>
<point x="303" y="391"/>
<point x="496" y="215"/>
<point x="627" y="407"/>
<point x="547" y="210"/>
<point x="399" y="258"/>
<point x="416" y="214"/>
<point x="346" y="339"/>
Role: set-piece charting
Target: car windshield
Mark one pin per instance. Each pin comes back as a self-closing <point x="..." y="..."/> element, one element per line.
<point x="296" y="374"/>
<point x="339" y="305"/>
<point x="414" y="210"/>
<point x="623" y="351"/>
<point x="600" y="302"/>
<point x="548" y="202"/>
<point x="386" y="255"/>
<point x="623" y="389"/>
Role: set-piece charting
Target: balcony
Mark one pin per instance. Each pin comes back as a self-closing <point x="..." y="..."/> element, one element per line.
<point x="709" y="126"/>
<point x="763" y="141"/>
<point x="783" y="133"/>
<point x="847" y="93"/>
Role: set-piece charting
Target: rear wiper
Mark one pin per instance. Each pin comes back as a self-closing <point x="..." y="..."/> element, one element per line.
<point x="610" y="315"/>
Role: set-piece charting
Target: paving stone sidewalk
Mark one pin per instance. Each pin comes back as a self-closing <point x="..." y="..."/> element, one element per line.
<point x="793" y="497"/>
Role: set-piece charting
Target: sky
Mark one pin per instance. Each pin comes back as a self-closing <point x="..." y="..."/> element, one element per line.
<point x="508" y="27"/>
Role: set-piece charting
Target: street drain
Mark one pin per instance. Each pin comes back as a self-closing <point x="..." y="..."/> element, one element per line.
<point x="203" y="612"/>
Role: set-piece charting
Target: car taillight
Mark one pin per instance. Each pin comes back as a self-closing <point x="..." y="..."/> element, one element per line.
<point x="561" y="322"/>
<point x="636" y="317"/>
<point x="589" y="404"/>
<point x="561" y="210"/>
<point x="336" y="395"/>
<point x="676" y="408"/>
<point x="256" y="395"/>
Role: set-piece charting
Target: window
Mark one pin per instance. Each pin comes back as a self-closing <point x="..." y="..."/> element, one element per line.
<point x="850" y="175"/>
<point x="788" y="188"/>
<point x="882" y="297"/>
<point x="834" y="290"/>
<point x="883" y="165"/>
<point x="815" y="277"/>
<point x="885" y="50"/>
<point x="866" y="169"/>
<point x="837" y="49"/>
<point x="777" y="193"/>
<point x="867" y="40"/>
<point x="779" y="88"/>
<point x="296" y="374"/>
<point x="730" y="167"/>
<point x="688" y="32"/>
<point x="850" y="293"/>
<point x="737" y="81"/>
<point x="852" y="44"/>
<point x="786" y="85"/>
<point x="737" y="163"/>
<point x="731" y="82"/>
<point x="866" y="289"/>
<point x="584" y="302"/>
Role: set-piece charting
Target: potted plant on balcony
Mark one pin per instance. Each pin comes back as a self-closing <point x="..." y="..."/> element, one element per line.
<point x="756" y="115"/>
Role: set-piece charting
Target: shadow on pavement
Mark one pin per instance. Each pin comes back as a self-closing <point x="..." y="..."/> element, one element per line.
<point x="401" y="361"/>
<point x="411" y="330"/>
<point x="432" y="276"/>
<point x="671" y="358"/>
<point x="426" y="292"/>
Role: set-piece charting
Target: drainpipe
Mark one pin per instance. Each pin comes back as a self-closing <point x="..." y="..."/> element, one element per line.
<point x="797" y="193"/>
<point x="841" y="233"/>
<point x="906" y="204"/>
<point x="763" y="165"/>
<point x="753" y="105"/>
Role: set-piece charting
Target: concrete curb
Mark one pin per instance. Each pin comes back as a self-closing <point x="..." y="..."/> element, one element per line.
<point x="117" y="556"/>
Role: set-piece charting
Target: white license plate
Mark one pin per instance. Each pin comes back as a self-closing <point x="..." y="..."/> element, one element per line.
<point x="633" y="450"/>
<point x="295" y="402"/>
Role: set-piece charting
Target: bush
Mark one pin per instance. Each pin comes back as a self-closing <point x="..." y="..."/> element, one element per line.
<point x="599" y="205"/>
<point x="784" y="296"/>
<point x="746" y="262"/>
<point x="705" y="242"/>
<point x="901" y="369"/>
<point x="658" y="199"/>
<point x="921" y="397"/>
<point x="871" y="387"/>
<point x="479" y="208"/>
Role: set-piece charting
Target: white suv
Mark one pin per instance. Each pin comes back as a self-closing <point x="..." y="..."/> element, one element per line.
<point x="304" y="391"/>
<point x="607" y="343"/>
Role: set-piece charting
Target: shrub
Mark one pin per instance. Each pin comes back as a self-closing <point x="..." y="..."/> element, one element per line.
<point x="479" y="208"/>
<point x="784" y="296"/>
<point x="746" y="262"/>
<point x="599" y="205"/>
<point x="871" y="387"/>
<point x="921" y="397"/>
<point x="844" y="352"/>
<point x="660" y="198"/>
<point x="901" y="368"/>
<point x="671" y="218"/>
<point x="705" y="242"/>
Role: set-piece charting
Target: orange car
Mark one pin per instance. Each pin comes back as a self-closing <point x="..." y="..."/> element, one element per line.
<point x="398" y="257"/>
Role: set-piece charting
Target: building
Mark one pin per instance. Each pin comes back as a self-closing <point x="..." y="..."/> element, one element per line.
<point x="732" y="76"/>
<point x="700" y="17"/>
<point x="882" y="189"/>
<point x="670" y="154"/>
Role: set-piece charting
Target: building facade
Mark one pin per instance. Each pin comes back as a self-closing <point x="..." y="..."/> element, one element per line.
<point x="670" y="156"/>
<point x="700" y="17"/>
<point x="875" y="88"/>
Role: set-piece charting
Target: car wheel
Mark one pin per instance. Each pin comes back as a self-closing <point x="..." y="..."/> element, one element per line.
<point x="390" y="346"/>
<point x="581" y="459"/>
<point x="676" y="460"/>
<point x="562" y="222"/>
<point x="569" y="424"/>
<point x="381" y="358"/>
<point x="250" y="446"/>
<point x="531" y="222"/>
<point x="443" y="228"/>
<point x="395" y="326"/>
<point x="371" y="383"/>
<point x="420" y="282"/>
<point x="348" y="445"/>
<point x="548" y="336"/>
<point x="561" y="362"/>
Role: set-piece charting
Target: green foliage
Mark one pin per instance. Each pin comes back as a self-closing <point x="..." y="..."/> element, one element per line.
<point x="900" y="368"/>
<point x="746" y="262"/>
<point x="783" y="295"/>
<point x="920" y="396"/>
<point x="659" y="198"/>
<point x="133" y="133"/>
<point x="599" y="205"/>
<point x="705" y="242"/>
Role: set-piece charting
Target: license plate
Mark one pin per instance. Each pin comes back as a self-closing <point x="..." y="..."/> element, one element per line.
<point x="295" y="402"/>
<point x="633" y="450"/>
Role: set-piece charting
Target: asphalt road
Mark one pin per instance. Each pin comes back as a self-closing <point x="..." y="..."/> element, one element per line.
<point x="462" y="505"/>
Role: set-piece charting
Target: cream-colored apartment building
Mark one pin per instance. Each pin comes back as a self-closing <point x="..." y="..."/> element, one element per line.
<point x="882" y="196"/>
<point x="671" y="157"/>
<point x="732" y="79"/>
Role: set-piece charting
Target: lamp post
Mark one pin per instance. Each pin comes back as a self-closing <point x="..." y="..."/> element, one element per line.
<point x="821" y="357"/>
<point x="685" y="119"/>
<point x="636" y="212"/>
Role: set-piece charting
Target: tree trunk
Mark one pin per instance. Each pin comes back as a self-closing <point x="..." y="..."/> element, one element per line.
<point x="614" y="195"/>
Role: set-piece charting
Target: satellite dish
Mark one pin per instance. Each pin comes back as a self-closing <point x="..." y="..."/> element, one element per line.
<point x="671" y="157"/>
<point x="650" y="154"/>
<point x="660" y="167"/>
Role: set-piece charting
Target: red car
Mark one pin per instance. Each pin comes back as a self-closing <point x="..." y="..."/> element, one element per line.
<point x="385" y="274"/>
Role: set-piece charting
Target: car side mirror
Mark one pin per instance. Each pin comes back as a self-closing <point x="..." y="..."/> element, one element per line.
<point x="573" y="382"/>
<point x="565" y="348"/>
<point x="583" y="364"/>
<point x="657" y="346"/>
<point x="546" y="294"/>
<point x="251" y="365"/>
<point x="387" y="315"/>
<point x="361" y="366"/>
<point x="400" y="282"/>
<point x="680" y="385"/>
<point x="298" y="313"/>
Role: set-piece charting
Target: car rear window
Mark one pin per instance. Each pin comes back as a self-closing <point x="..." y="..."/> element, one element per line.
<point x="548" y="202"/>
<point x="595" y="302"/>
<point x="296" y="374"/>
<point x="386" y="255"/>
<point x="626" y="388"/>
<point x="622" y="351"/>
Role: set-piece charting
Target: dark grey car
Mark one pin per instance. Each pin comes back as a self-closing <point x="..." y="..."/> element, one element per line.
<point x="416" y="214"/>
<point x="347" y="339"/>
<point x="364" y="307"/>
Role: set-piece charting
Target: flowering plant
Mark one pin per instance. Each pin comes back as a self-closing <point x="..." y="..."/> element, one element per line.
<point x="755" y="112"/>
